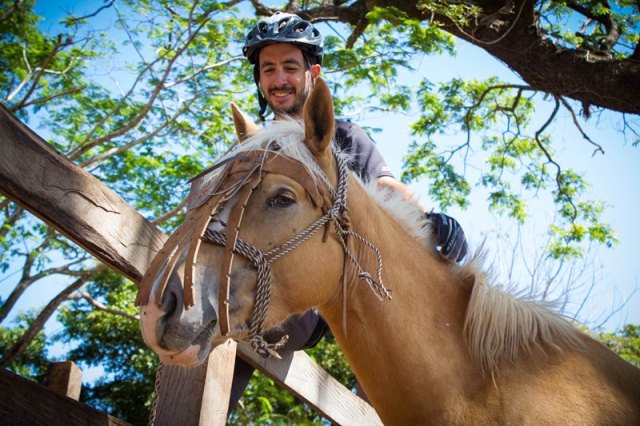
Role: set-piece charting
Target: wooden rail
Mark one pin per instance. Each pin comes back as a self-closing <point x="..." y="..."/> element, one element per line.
<point x="26" y="403"/>
<point x="75" y="203"/>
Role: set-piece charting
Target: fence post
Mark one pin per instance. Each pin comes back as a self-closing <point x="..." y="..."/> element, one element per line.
<point x="65" y="378"/>
<point x="196" y="396"/>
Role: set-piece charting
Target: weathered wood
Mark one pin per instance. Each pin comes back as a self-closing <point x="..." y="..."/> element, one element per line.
<point x="217" y="386"/>
<point x="204" y="402"/>
<point x="65" y="196"/>
<point x="298" y="373"/>
<point x="78" y="205"/>
<point x="27" y="403"/>
<point x="65" y="378"/>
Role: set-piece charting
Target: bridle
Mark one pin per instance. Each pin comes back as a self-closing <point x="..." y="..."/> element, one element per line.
<point x="241" y="176"/>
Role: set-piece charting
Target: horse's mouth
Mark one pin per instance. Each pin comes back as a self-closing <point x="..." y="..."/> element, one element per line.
<point x="196" y="352"/>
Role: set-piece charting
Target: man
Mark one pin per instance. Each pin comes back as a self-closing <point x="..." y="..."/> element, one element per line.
<point x="286" y="52"/>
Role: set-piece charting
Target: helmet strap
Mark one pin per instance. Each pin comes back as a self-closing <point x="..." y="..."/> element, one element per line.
<point x="261" y="99"/>
<point x="263" y="105"/>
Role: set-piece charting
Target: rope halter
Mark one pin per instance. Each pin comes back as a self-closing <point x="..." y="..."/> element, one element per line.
<point x="241" y="177"/>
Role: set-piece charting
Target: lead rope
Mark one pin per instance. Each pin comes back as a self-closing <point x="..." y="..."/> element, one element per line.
<point x="341" y="195"/>
<point x="156" y="396"/>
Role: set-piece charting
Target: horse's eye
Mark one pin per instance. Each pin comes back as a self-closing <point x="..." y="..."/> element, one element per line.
<point x="281" y="199"/>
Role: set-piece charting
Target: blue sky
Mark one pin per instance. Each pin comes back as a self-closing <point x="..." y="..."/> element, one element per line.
<point x="613" y="177"/>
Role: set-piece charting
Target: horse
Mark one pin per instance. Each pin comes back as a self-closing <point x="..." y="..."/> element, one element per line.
<point x="280" y="226"/>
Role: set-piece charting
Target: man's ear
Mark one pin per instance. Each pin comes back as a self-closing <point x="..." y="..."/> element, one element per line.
<point x="315" y="71"/>
<point x="243" y="124"/>
<point x="319" y="122"/>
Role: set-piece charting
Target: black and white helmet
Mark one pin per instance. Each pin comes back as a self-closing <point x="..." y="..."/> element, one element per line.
<point x="283" y="28"/>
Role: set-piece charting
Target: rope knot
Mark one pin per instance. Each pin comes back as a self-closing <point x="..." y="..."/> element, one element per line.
<point x="266" y="349"/>
<point x="378" y="288"/>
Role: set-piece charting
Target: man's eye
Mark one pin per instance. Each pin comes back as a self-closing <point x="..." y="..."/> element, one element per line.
<point x="281" y="200"/>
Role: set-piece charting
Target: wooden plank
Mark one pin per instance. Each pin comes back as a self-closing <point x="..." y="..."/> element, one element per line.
<point x="65" y="196"/>
<point x="205" y="400"/>
<point x="27" y="403"/>
<point x="78" y="205"/>
<point x="303" y="377"/>
<point x="217" y="387"/>
<point x="65" y="378"/>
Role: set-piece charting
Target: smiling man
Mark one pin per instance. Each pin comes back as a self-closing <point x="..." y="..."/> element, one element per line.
<point x="286" y="52"/>
<point x="284" y="79"/>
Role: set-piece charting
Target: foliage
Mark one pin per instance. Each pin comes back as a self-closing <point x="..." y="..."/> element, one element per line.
<point x="390" y="45"/>
<point x="501" y="115"/>
<point x="264" y="402"/>
<point x="32" y="362"/>
<point x="593" y="36"/>
<point x="625" y="342"/>
<point x="115" y="345"/>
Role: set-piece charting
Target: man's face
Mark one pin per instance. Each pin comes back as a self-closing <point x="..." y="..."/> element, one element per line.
<point x="284" y="79"/>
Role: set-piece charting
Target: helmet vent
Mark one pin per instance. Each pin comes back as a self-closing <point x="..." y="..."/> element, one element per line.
<point x="283" y="28"/>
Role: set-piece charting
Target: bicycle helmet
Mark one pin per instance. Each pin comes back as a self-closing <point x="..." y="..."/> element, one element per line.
<point x="283" y="28"/>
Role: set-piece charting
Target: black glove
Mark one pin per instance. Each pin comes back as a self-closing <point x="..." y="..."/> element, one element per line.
<point x="449" y="236"/>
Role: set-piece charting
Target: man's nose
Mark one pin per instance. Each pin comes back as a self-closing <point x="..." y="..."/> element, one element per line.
<point x="281" y="76"/>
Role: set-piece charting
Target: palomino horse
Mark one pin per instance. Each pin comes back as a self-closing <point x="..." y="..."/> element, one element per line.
<point x="281" y="226"/>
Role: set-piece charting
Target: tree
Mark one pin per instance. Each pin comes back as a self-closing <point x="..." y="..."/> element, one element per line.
<point x="625" y="343"/>
<point x="596" y="65"/>
<point x="137" y="93"/>
<point x="126" y="389"/>
<point x="32" y="362"/>
<point x="265" y="402"/>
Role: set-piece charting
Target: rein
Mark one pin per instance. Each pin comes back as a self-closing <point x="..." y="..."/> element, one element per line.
<point x="246" y="172"/>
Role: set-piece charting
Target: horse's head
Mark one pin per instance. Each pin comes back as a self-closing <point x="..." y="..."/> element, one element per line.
<point x="256" y="226"/>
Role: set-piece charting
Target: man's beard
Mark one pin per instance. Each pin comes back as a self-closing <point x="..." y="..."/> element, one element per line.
<point x="296" y="108"/>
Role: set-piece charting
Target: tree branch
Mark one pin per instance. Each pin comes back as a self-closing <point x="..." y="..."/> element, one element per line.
<point x="560" y="185"/>
<point x="171" y="213"/>
<point x="101" y="307"/>
<point x="613" y="31"/>
<point x="582" y="132"/>
<point x="109" y="153"/>
<point x="86" y="146"/>
<point x="543" y="64"/>
<point x="91" y="15"/>
<point x="46" y="99"/>
<point x="24" y="340"/>
<point x="56" y="48"/>
<point x="10" y="11"/>
<point x="28" y="280"/>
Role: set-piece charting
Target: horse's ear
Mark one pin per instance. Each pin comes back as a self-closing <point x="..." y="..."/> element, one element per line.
<point x="319" y="122"/>
<point x="244" y="125"/>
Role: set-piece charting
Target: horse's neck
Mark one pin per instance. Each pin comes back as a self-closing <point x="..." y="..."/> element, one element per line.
<point x="411" y="357"/>
<point x="384" y="340"/>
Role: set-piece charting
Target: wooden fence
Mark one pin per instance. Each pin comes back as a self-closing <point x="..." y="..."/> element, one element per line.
<point x="26" y="403"/>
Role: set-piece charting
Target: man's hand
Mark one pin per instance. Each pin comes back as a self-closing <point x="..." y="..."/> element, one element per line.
<point x="449" y="236"/>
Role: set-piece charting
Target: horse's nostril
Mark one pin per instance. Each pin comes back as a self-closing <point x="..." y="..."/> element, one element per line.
<point x="170" y="303"/>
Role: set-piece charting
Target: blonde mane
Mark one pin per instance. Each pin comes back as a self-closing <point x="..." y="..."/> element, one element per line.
<point x="499" y="324"/>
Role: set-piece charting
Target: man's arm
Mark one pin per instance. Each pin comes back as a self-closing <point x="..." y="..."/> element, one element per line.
<point x="448" y="232"/>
